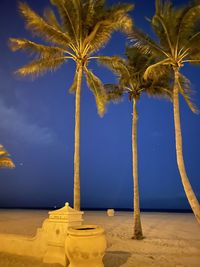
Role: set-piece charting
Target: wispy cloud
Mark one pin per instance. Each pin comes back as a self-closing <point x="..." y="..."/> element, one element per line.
<point x="15" y="124"/>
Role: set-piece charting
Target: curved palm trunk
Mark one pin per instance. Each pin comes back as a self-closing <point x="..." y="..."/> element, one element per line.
<point x="77" y="141"/>
<point x="179" y="153"/>
<point x="137" y="227"/>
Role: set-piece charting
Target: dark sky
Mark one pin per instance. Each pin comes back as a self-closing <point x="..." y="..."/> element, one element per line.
<point x="37" y="128"/>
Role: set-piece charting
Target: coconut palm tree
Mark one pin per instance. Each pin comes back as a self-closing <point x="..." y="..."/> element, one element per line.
<point x="130" y="73"/>
<point x="82" y="29"/>
<point x="5" y="160"/>
<point x="177" y="43"/>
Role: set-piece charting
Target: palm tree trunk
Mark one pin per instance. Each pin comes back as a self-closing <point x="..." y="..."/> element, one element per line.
<point x="179" y="153"/>
<point x="137" y="227"/>
<point x="77" y="141"/>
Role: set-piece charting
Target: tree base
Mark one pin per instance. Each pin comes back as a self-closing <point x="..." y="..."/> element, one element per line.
<point x="139" y="237"/>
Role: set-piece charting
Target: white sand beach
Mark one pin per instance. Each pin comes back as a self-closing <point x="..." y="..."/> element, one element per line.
<point x="171" y="239"/>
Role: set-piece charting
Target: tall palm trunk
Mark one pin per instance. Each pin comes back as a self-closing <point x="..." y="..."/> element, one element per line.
<point x="77" y="141"/>
<point x="137" y="227"/>
<point x="179" y="153"/>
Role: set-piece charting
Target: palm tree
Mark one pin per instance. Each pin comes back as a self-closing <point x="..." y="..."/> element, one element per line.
<point x="5" y="161"/>
<point x="130" y="73"/>
<point x="82" y="29"/>
<point x="177" y="43"/>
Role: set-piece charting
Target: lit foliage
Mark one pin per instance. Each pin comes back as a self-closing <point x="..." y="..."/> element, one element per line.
<point x="178" y="32"/>
<point x="130" y="73"/>
<point x="5" y="161"/>
<point x="82" y="29"/>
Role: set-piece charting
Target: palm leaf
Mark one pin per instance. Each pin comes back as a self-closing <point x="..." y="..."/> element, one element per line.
<point x="114" y="92"/>
<point x="162" y="22"/>
<point x="185" y="90"/>
<point x="89" y="16"/>
<point x="51" y="19"/>
<point x="157" y="69"/>
<point x="96" y="86"/>
<point x="157" y="90"/>
<point x="6" y="163"/>
<point x="114" y="19"/>
<point x="99" y="36"/>
<point x="32" y="48"/>
<point x="3" y="153"/>
<point x="187" y="26"/>
<point x="40" y="66"/>
<point x="118" y="14"/>
<point x="68" y="17"/>
<point x="73" y="86"/>
<point x="41" y="28"/>
<point x="144" y="43"/>
<point x="115" y="63"/>
<point x="194" y="55"/>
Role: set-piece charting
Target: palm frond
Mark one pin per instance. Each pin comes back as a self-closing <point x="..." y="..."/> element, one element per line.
<point x="116" y="64"/>
<point x="159" y="91"/>
<point x="138" y="60"/>
<point x="94" y="12"/>
<point x="118" y="14"/>
<point x="73" y="86"/>
<point x="3" y="152"/>
<point x="114" y="92"/>
<point x="96" y="86"/>
<point x="185" y="90"/>
<point x="89" y="15"/>
<point x="40" y="66"/>
<point x="78" y="7"/>
<point x="6" y="163"/>
<point x="188" y="25"/>
<point x="166" y="16"/>
<point x="73" y="11"/>
<point x="144" y="43"/>
<point x="185" y="20"/>
<point x="157" y="69"/>
<point x="69" y="17"/>
<point x="194" y="55"/>
<point x="33" y="48"/>
<point x="51" y="19"/>
<point x="41" y="28"/>
<point x="99" y="36"/>
<point x="114" y="19"/>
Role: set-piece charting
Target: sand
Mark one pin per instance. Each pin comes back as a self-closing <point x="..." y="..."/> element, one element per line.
<point x="171" y="239"/>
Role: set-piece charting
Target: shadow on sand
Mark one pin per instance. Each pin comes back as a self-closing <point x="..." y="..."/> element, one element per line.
<point x="115" y="258"/>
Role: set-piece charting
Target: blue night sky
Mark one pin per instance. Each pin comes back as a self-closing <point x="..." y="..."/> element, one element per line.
<point x="37" y="128"/>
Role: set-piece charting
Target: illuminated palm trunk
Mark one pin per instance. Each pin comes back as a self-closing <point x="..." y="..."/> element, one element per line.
<point x="77" y="141"/>
<point x="179" y="153"/>
<point x="137" y="227"/>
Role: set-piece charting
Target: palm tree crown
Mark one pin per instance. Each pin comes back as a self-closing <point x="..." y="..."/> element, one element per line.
<point x="130" y="74"/>
<point x="82" y="29"/>
<point x="178" y="33"/>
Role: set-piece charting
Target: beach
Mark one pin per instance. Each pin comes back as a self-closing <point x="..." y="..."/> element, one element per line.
<point x="171" y="239"/>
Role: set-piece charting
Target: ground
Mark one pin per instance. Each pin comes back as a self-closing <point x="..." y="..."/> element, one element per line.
<point x="171" y="239"/>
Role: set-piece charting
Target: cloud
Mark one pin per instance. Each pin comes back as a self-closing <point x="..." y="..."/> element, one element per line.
<point x="15" y="124"/>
